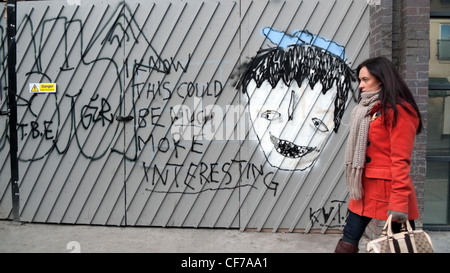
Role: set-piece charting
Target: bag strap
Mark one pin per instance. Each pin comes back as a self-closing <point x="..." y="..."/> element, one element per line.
<point x="410" y="240"/>
<point x="387" y="226"/>
<point x="408" y="227"/>
<point x="410" y="243"/>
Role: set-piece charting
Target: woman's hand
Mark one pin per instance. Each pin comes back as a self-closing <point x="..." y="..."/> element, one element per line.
<point x="398" y="216"/>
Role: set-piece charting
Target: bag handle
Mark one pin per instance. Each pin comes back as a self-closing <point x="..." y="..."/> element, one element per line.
<point x="387" y="229"/>
<point x="408" y="227"/>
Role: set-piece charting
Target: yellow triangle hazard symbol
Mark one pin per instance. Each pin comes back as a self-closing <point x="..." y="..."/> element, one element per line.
<point x="35" y="89"/>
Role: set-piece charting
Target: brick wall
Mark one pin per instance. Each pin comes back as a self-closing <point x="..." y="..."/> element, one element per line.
<point x="400" y="32"/>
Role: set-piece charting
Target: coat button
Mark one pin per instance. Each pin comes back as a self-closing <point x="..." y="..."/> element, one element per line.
<point x="368" y="159"/>
<point x="368" y="143"/>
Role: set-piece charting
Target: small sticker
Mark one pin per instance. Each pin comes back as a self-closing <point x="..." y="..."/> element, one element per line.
<point x="42" y="87"/>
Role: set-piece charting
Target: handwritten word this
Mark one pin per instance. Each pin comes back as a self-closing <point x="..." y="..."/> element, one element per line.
<point x="165" y="89"/>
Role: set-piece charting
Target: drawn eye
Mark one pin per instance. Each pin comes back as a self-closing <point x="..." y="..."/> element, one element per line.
<point x="320" y="125"/>
<point x="270" y="114"/>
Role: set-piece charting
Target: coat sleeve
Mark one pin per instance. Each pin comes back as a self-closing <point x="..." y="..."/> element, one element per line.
<point x="402" y="137"/>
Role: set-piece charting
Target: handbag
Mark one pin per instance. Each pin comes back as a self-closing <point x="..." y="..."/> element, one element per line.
<point x="407" y="241"/>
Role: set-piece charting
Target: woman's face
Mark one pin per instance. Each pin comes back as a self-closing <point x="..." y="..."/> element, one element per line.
<point x="367" y="82"/>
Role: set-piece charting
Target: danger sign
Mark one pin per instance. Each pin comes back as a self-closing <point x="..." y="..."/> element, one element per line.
<point x="42" y="87"/>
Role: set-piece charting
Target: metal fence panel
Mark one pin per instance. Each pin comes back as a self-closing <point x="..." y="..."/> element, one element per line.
<point x="292" y="195"/>
<point x="157" y="118"/>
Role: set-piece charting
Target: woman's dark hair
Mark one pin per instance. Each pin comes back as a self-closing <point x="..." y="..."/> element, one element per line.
<point x="394" y="88"/>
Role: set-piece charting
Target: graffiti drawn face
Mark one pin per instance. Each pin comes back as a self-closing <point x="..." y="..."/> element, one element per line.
<point x="291" y="123"/>
<point x="297" y="93"/>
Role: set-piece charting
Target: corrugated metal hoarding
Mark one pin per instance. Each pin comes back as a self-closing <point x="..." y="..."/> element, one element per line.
<point x="218" y="114"/>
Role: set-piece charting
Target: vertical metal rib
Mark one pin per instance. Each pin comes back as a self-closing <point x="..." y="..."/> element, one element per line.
<point x="206" y="204"/>
<point x="44" y="162"/>
<point x="304" y="177"/>
<point x="177" y="21"/>
<point x="193" y="54"/>
<point x="69" y="122"/>
<point x="342" y="139"/>
<point x="156" y="32"/>
<point x="90" y="194"/>
<point x="263" y="191"/>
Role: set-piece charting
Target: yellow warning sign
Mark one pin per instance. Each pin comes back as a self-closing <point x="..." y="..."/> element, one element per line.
<point x="34" y="88"/>
<point x="42" y="87"/>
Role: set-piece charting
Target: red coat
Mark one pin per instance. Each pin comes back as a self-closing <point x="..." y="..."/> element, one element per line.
<point x="386" y="181"/>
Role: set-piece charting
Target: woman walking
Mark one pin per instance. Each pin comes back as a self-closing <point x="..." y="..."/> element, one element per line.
<point x="378" y="153"/>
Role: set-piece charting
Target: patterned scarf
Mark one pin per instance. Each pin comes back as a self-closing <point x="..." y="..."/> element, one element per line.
<point x="355" y="153"/>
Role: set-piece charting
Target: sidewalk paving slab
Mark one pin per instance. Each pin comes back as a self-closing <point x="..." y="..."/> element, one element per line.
<point x="18" y="237"/>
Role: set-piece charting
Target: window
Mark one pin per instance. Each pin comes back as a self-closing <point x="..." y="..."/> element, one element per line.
<point x="437" y="184"/>
<point x="444" y="43"/>
<point x="439" y="7"/>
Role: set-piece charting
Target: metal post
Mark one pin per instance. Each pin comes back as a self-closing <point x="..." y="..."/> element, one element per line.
<point x="12" y="91"/>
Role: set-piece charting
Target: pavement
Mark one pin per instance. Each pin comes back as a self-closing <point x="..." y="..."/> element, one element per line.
<point x="17" y="237"/>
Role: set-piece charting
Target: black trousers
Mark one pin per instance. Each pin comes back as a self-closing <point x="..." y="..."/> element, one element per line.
<point x="356" y="225"/>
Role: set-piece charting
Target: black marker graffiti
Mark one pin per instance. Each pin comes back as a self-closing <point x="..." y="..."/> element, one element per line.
<point x="101" y="113"/>
<point x="98" y="110"/>
<point x="289" y="149"/>
<point x="314" y="215"/>
<point x="90" y="116"/>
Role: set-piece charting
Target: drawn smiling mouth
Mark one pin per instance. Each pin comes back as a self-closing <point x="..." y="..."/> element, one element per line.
<point x="289" y="149"/>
